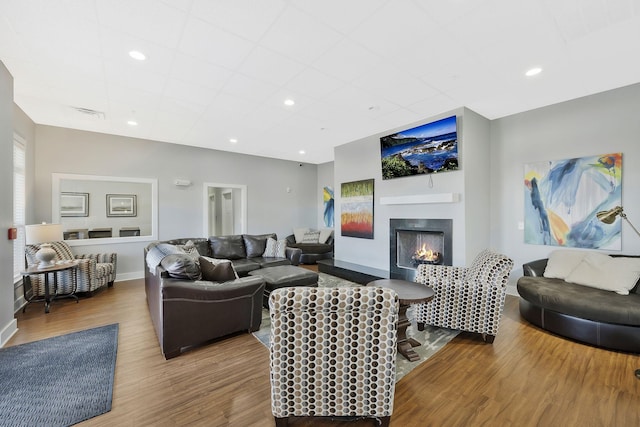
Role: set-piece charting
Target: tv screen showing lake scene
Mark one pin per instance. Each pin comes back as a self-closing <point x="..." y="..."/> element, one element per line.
<point x="429" y="148"/>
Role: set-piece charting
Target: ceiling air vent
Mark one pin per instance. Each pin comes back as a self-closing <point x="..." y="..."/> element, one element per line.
<point x="91" y="113"/>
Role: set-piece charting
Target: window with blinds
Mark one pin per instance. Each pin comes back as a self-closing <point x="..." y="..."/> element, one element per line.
<point x="19" y="203"/>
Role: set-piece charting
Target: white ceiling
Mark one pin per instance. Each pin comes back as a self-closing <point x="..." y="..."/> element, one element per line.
<point x="221" y="69"/>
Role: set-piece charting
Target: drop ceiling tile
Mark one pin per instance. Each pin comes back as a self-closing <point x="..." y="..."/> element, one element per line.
<point x="115" y="47"/>
<point x="188" y="92"/>
<point x="338" y="14"/>
<point x="484" y="27"/>
<point x="314" y="84"/>
<point x="246" y="18"/>
<point x="209" y="43"/>
<point x="163" y="23"/>
<point x="299" y="36"/>
<point x="133" y="76"/>
<point x="270" y="67"/>
<point x="347" y="60"/>
<point x="247" y="88"/>
<point x="445" y="12"/>
<point x="196" y="71"/>
<point x="394" y="85"/>
<point x="394" y="25"/>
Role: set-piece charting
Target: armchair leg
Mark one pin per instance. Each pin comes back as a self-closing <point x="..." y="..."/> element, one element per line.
<point x="384" y="421"/>
<point x="281" y="422"/>
<point x="488" y="338"/>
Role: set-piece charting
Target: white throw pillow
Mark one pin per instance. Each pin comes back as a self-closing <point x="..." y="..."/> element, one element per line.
<point x="299" y="233"/>
<point x="601" y="271"/>
<point x="275" y="248"/>
<point x="562" y="262"/>
<point x="325" y="233"/>
<point x="311" y="237"/>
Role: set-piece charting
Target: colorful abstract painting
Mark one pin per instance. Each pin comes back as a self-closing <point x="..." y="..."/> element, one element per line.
<point x="327" y="199"/>
<point x="562" y="198"/>
<point x="356" y="218"/>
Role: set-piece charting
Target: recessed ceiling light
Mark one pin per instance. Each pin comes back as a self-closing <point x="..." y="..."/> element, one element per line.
<point x="233" y="140"/>
<point x="534" y="71"/>
<point x="289" y="102"/>
<point x="132" y="123"/>
<point x="302" y="152"/>
<point x="137" y="55"/>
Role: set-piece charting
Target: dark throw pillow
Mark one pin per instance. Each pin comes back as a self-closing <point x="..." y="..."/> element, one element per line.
<point x="217" y="270"/>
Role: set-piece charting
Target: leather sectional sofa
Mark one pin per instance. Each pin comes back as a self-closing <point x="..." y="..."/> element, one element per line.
<point x="187" y="311"/>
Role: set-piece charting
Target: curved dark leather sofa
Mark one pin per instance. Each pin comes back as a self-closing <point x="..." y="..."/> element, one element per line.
<point x="593" y="316"/>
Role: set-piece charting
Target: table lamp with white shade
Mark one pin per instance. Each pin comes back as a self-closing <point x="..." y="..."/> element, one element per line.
<point x="43" y="234"/>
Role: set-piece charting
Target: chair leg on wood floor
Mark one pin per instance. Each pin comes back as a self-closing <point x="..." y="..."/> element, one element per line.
<point x="281" y="422"/>
<point x="488" y="338"/>
<point x="384" y="421"/>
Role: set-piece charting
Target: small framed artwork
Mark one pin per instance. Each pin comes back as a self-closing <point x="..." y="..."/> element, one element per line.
<point x="356" y="218"/>
<point x="121" y="205"/>
<point x="74" y="204"/>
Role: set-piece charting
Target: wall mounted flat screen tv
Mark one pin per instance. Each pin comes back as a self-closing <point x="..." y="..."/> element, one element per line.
<point x="429" y="148"/>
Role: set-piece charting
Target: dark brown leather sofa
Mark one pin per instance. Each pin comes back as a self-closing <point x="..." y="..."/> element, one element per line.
<point x="188" y="312"/>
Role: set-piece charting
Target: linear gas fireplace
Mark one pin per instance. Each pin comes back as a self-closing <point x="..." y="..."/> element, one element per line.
<point x="418" y="241"/>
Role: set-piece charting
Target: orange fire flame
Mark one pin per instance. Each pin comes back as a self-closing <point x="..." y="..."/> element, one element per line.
<point x="426" y="254"/>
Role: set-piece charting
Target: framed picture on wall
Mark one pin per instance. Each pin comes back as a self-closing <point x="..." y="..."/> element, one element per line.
<point x="121" y="205"/>
<point x="74" y="204"/>
<point x="356" y="218"/>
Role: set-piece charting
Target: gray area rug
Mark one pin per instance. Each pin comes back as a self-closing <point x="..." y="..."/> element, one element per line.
<point x="432" y="338"/>
<point x="58" y="381"/>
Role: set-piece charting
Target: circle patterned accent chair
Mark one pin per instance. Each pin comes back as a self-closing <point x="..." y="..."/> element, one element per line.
<point x="466" y="299"/>
<point x="333" y="353"/>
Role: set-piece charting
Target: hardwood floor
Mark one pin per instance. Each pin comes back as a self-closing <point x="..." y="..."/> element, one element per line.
<point x="526" y="378"/>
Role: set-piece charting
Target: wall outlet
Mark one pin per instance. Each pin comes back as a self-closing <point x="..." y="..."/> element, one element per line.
<point x="520" y="225"/>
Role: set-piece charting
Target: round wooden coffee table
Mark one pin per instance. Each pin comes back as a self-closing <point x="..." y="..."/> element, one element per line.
<point x="408" y="293"/>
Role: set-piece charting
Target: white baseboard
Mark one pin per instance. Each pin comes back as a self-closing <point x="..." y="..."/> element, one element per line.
<point x="121" y="277"/>
<point x="8" y="331"/>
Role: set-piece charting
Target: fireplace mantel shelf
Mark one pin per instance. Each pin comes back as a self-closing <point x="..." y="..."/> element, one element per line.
<point x="417" y="199"/>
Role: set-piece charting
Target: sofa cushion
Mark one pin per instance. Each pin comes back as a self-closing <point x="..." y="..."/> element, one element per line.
<point x="255" y="245"/>
<point x="245" y="265"/>
<point x="325" y="233"/>
<point x="275" y="248"/>
<point x="311" y="237"/>
<point x="580" y="301"/>
<point x="601" y="271"/>
<point x="299" y="233"/>
<point x="227" y="247"/>
<point x="217" y="270"/>
<point x="562" y="262"/>
<point x="181" y="266"/>
<point x="265" y="262"/>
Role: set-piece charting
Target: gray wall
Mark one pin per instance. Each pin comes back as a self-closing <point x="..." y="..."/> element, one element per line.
<point x="361" y="160"/>
<point x="598" y="124"/>
<point x="7" y="322"/>
<point x="271" y="208"/>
